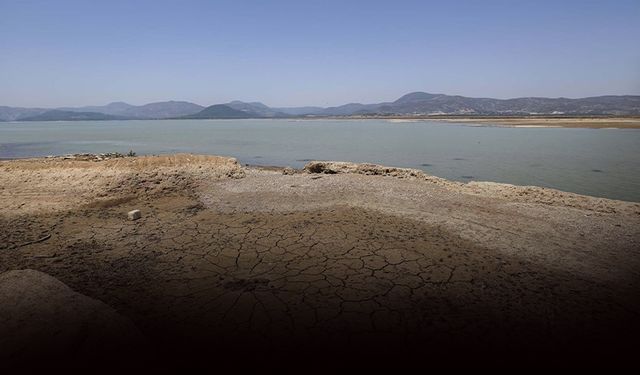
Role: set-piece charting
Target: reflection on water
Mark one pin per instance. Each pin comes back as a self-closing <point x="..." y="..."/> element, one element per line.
<point x="600" y="162"/>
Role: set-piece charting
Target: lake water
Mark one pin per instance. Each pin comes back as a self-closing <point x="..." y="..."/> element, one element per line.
<point x="598" y="162"/>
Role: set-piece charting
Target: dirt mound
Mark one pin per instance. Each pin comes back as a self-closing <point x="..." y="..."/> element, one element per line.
<point x="221" y="164"/>
<point x="153" y="175"/>
<point x="335" y="167"/>
<point x="42" y="319"/>
<point x="224" y="165"/>
<point x="64" y="182"/>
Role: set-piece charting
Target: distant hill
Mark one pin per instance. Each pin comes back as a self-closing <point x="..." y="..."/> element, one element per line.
<point x="299" y="111"/>
<point x="257" y="109"/>
<point x="221" y="111"/>
<point x="420" y="103"/>
<point x="58" y="115"/>
<point x="16" y="113"/>
<point x="168" y="109"/>
<point x="415" y="103"/>
<point x="121" y="110"/>
<point x="115" y="108"/>
<point x="157" y="110"/>
<point x="349" y="109"/>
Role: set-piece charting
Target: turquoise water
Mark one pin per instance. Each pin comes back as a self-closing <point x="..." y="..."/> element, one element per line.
<point x="598" y="162"/>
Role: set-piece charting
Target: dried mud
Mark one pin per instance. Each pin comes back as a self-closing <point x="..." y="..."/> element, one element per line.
<point x="229" y="263"/>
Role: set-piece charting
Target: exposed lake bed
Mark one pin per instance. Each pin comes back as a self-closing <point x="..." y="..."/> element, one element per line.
<point x="228" y="261"/>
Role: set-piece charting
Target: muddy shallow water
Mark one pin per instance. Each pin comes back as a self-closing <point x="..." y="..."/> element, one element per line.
<point x="597" y="162"/>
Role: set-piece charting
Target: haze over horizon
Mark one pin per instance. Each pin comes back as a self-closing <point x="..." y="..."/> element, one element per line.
<point x="285" y="53"/>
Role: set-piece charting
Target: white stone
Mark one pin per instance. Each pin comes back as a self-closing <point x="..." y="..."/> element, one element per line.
<point x="134" y="215"/>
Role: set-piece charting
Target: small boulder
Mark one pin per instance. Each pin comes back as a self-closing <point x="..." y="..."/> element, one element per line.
<point x="288" y="171"/>
<point x="134" y="215"/>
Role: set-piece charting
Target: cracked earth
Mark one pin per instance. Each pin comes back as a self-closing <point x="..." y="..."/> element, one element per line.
<point x="227" y="258"/>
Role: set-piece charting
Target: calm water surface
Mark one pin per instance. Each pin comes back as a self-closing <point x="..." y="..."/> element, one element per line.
<point x="599" y="162"/>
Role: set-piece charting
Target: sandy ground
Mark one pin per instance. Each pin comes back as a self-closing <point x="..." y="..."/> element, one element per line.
<point x="544" y="122"/>
<point x="632" y="122"/>
<point x="373" y="266"/>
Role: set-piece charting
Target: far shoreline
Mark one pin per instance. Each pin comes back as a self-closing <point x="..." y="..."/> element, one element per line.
<point x="586" y="122"/>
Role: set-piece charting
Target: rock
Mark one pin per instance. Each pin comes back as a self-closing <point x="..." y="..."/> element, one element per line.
<point x="43" y="322"/>
<point x="289" y="171"/>
<point x="334" y="167"/>
<point x="134" y="215"/>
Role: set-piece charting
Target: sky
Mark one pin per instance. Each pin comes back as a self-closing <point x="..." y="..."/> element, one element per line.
<point x="295" y="53"/>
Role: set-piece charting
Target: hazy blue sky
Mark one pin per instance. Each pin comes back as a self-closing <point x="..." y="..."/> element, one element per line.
<point x="55" y="53"/>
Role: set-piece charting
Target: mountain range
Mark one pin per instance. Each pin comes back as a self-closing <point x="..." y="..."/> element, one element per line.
<point x="413" y="104"/>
